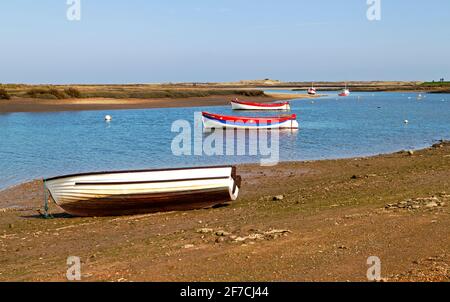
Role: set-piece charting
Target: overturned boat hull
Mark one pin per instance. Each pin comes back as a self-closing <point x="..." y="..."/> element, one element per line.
<point x="144" y="191"/>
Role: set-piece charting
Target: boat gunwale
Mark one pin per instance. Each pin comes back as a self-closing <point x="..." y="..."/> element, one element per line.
<point x="264" y="105"/>
<point x="147" y="182"/>
<point x="233" y="171"/>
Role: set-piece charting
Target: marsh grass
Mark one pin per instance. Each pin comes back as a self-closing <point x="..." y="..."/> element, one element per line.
<point x="73" y="93"/>
<point x="123" y="92"/>
<point x="436" y="84"/>
<point x="437" y="87"/>
<point x="4" y="95"/>
<point x="46" y="93"/>
<point x="170" y="94"/>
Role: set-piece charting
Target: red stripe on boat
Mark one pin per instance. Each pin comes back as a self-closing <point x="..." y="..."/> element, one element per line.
<point x="250" y="119"/>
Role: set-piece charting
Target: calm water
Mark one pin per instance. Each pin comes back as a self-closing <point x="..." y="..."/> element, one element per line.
<point x="36" y="145"/>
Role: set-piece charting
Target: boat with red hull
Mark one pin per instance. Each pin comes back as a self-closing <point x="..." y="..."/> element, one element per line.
<point x="211" y="121"/>
<point x="345" y="92"/>
<point x="240" y="105"/>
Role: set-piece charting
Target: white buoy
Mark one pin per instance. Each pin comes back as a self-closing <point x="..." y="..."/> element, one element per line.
<point x="108" y="118"/>
<point x="406" y="122"/>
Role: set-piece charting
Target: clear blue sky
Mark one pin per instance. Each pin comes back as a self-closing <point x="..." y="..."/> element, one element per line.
<point x="142" y="41"/>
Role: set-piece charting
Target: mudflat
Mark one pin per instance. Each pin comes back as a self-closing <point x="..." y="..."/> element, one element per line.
<point x="297" y="221"/>
<point x="52" y="105"/>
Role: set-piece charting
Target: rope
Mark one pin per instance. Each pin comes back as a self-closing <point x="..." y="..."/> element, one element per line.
<point x="46" y="207"/>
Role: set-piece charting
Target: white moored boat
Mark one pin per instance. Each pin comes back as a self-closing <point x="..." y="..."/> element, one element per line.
<point x="144" y="191"/>
<point x="240" y="105"/>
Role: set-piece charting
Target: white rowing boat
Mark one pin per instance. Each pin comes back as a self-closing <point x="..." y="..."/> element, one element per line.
<point x="144" y="191"/>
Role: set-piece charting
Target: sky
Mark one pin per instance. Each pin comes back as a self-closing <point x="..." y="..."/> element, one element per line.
<point x="149" y="41"/>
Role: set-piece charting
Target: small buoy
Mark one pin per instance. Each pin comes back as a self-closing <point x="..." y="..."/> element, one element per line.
<point x="108" y="118"/>
<point x="406" y="121"/>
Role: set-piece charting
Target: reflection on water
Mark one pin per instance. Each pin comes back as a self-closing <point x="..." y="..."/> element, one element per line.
<point x="36" y="145"/>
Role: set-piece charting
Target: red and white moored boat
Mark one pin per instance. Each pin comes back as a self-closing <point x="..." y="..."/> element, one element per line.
<point x="312" y="90"/>
<point x="345" y="91"/>
<point x="211" y="121"/>
<point x="240" y="105"/>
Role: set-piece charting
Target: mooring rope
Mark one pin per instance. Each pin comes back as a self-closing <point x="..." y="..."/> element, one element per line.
<point x="46" y="197"/>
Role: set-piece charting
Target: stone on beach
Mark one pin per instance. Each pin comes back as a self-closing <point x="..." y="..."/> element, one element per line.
<point x="222" y="233"/>
<point x="417" y="203"/>
<point x="205" y="230"/>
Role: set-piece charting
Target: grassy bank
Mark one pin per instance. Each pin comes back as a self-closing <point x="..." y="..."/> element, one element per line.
<point x="437" y="87"/>
<point x="52" y="92"/>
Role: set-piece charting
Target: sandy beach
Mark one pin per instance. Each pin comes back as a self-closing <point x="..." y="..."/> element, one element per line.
<point x="50" y="105"/>
<point x="321" y="224"/>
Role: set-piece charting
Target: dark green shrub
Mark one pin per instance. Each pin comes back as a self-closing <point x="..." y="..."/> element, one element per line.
<point x="58" y="94"/>
<point x="73" y="93"/>
<point x="4" y="95"/>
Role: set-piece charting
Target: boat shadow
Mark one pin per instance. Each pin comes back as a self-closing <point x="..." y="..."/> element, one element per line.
<point x="61" y="215"/>
<point x="64" y="215"/>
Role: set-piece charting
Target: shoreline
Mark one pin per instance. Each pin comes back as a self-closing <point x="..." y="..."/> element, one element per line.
<point x="357" y="204"/>
<point x="42" y="105"/>
<point x="358" y="157"/>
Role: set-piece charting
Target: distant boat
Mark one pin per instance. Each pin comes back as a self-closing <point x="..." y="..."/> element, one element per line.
<point x="345" y="92"/>
<point x="144" y="191"/>
<point x="240" y="105"/>
<point x="211" y="121"/>
<point x="312" y="90"/>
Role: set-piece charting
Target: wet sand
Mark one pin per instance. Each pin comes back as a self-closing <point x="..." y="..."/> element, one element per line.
<point x="298" y="221"/>
<point x="38" y="105"/>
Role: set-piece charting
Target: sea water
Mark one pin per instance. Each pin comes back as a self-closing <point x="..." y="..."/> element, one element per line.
<point x="39" y="145"/>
